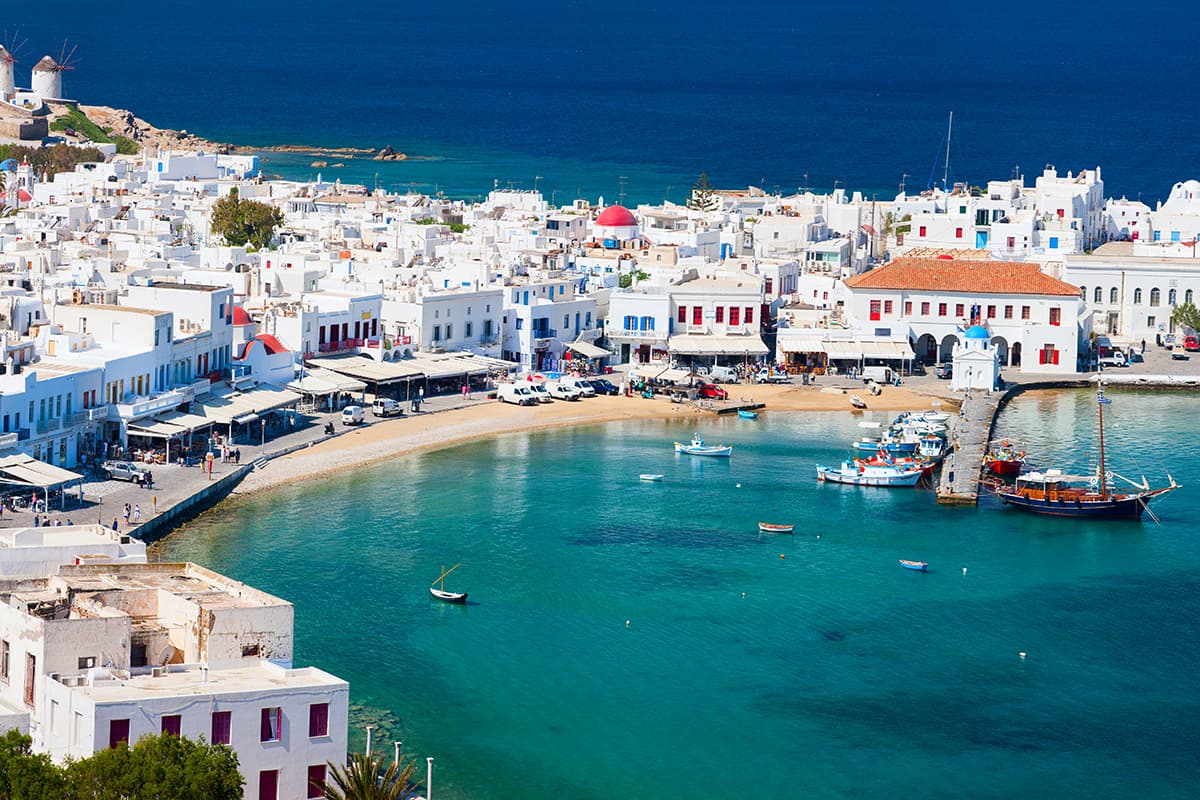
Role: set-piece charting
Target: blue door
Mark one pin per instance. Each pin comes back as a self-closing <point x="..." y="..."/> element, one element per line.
<point x="980" y="240"/>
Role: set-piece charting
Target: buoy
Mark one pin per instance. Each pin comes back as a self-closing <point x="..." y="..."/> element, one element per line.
<point x="781" y="555"/>
<point x="739" y="486"/>
<point x="743" y="594"/>
<point x="1022" y="655"/>
<point x="626" y="623"/>
<point x="964" y="570"/>
<point x="818" y="536"/>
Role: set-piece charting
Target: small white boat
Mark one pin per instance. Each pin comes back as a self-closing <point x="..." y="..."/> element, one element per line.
<point x="650" y="477"/>
<point x="863" y="474"/>
<point x="857" y="401"/>
<point x="697" y="447"/>
<point x="770" y="527"/>
<point x="438" y="590"/>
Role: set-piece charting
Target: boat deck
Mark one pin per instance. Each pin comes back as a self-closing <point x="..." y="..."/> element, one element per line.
<point x="970" y="432"/>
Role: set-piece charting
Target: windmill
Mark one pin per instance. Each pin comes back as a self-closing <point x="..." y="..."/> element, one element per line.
<point x="47" y="74"/>
<point x="10" y="49"/>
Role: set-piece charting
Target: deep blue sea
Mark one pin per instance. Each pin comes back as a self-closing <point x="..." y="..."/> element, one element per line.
<point x="772" y="667"/>
<point x="596" y="98"/>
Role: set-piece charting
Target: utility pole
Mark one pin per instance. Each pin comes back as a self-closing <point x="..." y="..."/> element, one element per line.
<point x="622" y="180"/>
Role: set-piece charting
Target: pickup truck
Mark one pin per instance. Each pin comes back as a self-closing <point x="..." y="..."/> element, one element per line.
<point x="771" y="376"/>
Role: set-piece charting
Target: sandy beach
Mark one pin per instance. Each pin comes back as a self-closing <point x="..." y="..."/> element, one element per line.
<point x="386" y="439"/>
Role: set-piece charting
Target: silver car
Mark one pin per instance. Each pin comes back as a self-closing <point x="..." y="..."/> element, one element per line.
<point x="124" y="471"/>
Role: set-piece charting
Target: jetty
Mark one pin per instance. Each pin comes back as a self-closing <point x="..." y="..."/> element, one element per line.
<point x="971" y="429"/>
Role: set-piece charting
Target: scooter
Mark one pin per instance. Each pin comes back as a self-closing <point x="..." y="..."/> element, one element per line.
<point x="328" y="428"/>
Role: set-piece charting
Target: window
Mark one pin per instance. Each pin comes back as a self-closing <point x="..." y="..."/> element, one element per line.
<point x="1056" y="316"/>
<point x="1171" y="296"/>
<point x="268" y="784"/>
<point x="1112" y="296"/>
<point x="733" y="316"/>
<point x="921" y="231"/>
<point x="5" y="656"/>
<point x="1008" y="312"/>
<point x="1098" y="295"/>
<point x="941" y="309"/>
<point x="924" y="309"/>
<point x="30" y="677"/>
<point x="1048" y="355"/>
<point x="1024" y="312"/>
<point x="118" y="732"/>
<point x="908" y="308"/>
<point x="172" y="724"/>
<point x="1150" y="321"/>
<point x="1137" y="297"/>
<point x="647" y="323"/>
<point x="1053" y="242"/>
<point x="770" y="283"/>
<point x="449" y="330"/>
<point x="221" y="726"/>
<point x="749" y="313"/>
<point x="316" y="781"/>
<point x="682" y="314"/>
<point x="875" y="307"/>
<point x="318" y="719"/>
<point x="991" y="312"/>
<point x="87" y="662"/>
<point x="468" y="331"/>
<point x="958" y="233"/>
<point x="887" y="307"/>
<point x="1187" y="296"/>
<point x="1155" y="297"/>
<point x="271" y="724"/>
<point x="520" y="323"/>
<point x="437" y="333"/>
<point x="959" y="310"/>
<point x="1083" y="293"/>
<point x="697" y="315"/>
<point x="720" y="315"/>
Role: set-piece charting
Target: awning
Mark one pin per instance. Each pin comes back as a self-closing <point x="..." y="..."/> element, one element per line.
<point x="25" y="470"/>
<point x="189" y="422"/>
<point x="588" y="350"/>
<point x="368" y="369"/>
<point x="155" y="428"/>
<point x="713" y="345"/>
<point x="320" y="382"/>
<point x="228" y="406"/>
<point x="884" y="349"/>
<point x="445" y="366"/>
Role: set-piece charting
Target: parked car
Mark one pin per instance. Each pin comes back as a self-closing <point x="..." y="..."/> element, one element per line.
<point x="1191" y="343"/>
<point x="712" y="392"/>
<point x="1168" y="341"/>
<point x="385" y="407"/>
<point x="352" y="415"/>
<point x="517" y="394"/>
<point x="944" y="371"/>
<point x="604" y="386"/>
<point x="723" y="374"/>
<point x="124" y="471"/>
<point x="579" y="384"/>
<point x="541" y="392"/>
<point x="564" y="391"/>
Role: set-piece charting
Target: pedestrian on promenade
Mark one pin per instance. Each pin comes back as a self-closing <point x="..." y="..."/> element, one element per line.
<point x="115" y="526"/>
<point x="466" y="390"/>
<point x="1143" y="346"/>
<point x="137" y="514"/>
<point x="126" y="512"/>
<point x="37" y="519"/>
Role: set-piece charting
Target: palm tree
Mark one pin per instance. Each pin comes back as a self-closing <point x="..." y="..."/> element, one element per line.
<point x="364" y="778"/>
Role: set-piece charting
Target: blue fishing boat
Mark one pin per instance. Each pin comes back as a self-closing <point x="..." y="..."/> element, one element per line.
<point x="744" y="414"/>
<point x="919" y="566"/>
<point x="697" y="447"/>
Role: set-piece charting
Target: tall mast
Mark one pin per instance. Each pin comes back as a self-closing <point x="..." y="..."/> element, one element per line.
<point x="946" y="168"/>
<point x="1100" y="405"/>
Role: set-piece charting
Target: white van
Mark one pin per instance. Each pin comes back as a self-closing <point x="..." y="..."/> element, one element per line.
<point x="564" y="391"/>
<point x="583" y="387"/>
<point x="352" y="415"/>
<point x="517" y="394"/>
<point x="877" y="374"/>
<point x="723" y="374"/>
<point x="385" y="407"/>
<point x="540" y="392"/>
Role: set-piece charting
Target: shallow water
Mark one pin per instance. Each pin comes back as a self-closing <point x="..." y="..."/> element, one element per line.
<point x="769" y="666"/>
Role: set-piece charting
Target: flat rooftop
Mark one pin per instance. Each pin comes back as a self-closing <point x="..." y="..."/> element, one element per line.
<point x="190" y="679"/>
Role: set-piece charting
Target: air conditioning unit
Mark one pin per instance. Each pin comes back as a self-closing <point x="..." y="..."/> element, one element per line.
<point x="158" y="672"/>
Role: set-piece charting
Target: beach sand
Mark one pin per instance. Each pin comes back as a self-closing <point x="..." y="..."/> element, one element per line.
<point x="386" y="439"/>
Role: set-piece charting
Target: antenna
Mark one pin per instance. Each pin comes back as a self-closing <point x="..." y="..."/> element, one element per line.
<point x="946" y="169"/>
<point x="622" y="180"/>
<point x="903" y="177"/>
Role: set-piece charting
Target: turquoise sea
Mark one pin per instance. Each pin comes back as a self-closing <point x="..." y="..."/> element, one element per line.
<point x="755" y="666"/>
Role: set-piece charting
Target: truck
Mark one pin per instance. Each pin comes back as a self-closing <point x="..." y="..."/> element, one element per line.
<point x="1113" y="358"/>
<point x="771" y="375"/>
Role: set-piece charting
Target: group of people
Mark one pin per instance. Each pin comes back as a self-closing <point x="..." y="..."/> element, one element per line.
<point x="129" y="513"/>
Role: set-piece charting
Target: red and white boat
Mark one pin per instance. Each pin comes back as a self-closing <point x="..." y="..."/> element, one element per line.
<point x="770" y="527"/>
<point x="1005" y="459"/>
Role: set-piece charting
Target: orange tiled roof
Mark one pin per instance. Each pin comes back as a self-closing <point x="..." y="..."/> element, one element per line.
<point x="966" y="276"/>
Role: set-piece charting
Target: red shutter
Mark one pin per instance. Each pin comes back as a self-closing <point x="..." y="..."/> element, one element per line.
<point x="697" y="315"/>
<point x="316" y="781"/>
<point x="172" y="724"/>
<point x="318" y="719"/>
<point x="118" y="732"/>
<point x="749" y="314"/>
<point x="1055" y="354"/>
<point x="875" y="310"/>
<point x="720" y="314"/>
<point x="683" y="314"/>
<point x="734" y="315"/>
<point x="268" y="784"/>
<point x="221" y="727"/>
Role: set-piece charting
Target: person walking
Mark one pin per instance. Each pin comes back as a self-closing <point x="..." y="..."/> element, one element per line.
<point x="116" y="527"/>
<point x="137" y="514"/>
<point x="466" y="390"/>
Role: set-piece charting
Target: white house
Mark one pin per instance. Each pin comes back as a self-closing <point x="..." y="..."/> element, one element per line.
<point x="976" y="363"/>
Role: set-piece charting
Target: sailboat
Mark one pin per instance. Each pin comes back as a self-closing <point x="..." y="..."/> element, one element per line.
<point x="440" y="593"/>
<point x="1054" y="493"/>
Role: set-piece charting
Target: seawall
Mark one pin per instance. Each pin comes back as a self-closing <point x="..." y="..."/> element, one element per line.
<point x="189" y="507"/>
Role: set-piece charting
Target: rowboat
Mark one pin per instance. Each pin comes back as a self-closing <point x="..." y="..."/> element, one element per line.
<point x="744" y="414"/>
<point x="868" y="475"/>
<point x="697" y="447"/>
<point x="1005" y="460"/>
<point x="769" y="527"/>
<point x="650" y="477"/>
<point x="919" y="566"/>
<point x="857" y="401"/>
<point x="438" y="590"/>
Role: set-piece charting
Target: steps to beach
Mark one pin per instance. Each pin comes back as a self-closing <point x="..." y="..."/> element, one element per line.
<point x="259" y="463"/>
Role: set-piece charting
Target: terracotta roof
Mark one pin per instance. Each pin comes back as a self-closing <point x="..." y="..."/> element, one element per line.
<point x="966" y="276"/>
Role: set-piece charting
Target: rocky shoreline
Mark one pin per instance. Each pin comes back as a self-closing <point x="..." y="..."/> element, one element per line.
<point x="122" y="122"/>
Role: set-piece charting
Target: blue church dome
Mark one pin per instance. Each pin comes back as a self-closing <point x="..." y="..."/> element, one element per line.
<point x="977" y="332"/>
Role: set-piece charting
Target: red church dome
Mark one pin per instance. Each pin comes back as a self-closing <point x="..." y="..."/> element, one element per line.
<point x="240" y="317"/>
<point x="616" y="217"/>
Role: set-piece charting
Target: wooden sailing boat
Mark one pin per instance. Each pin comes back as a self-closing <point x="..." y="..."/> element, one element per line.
<point x="1087" y="496"/>
<point x="438" y="589"/>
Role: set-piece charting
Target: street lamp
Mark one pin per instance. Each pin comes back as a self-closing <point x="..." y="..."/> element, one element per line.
<point x="429" y="778"/>
<point x="368" y="751"/>
<point x="263" y="446"/>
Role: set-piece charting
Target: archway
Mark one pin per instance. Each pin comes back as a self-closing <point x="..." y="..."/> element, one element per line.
<point x="926" y="348"/>
<point x="947" y="348"/>
<point x="1001" y="346"/>
<point x="1016" y="354"/>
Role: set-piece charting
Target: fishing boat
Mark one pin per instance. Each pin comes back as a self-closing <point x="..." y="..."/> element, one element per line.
<point x="869" y="474"/>
<point x="882" y="459"/>
<point x="857" y="401"/>
<point x="770" y="527"/>
<point x="919" y="566"/>
<point x="744" y="414"/>
<point x="932" y="447"/>
<point x="438" y="590"/>
<point x="1004" y="460"/>
<point x="888" y="443"/>
<point x="650" y="477"/>
<point x="697" y="447"/>
<point x="1057" y="494"/>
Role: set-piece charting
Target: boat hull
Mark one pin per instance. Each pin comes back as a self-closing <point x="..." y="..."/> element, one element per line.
<point x="1127" y="507"/>
<point x="917" y="566"/>
<point x="647" y="477"/>
<point x="448" y="597"/>
<point x="866" y="478"/>
<point x="748" y="414"/>
<point x="1005" y="468"/>
<point x="767" y="527"/>
<point x="712" y="452"/>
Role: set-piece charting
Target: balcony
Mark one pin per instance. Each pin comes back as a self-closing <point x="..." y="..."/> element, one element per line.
<point x="47" y="425"/>
<point x="9" y="439"/>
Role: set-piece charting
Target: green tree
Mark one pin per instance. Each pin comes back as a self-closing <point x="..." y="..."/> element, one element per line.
<point x="365" y="778"/>
<point x="25" y="775"/>
<point x="704" y="197"/>
<point x="161" y="767"/>
<point x="242" y="222"/>
<point x="1186" y="315"/>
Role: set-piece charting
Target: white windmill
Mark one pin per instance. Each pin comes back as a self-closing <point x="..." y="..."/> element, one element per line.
<point x="8" y="86"/>
<point x="47" y="80"/>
